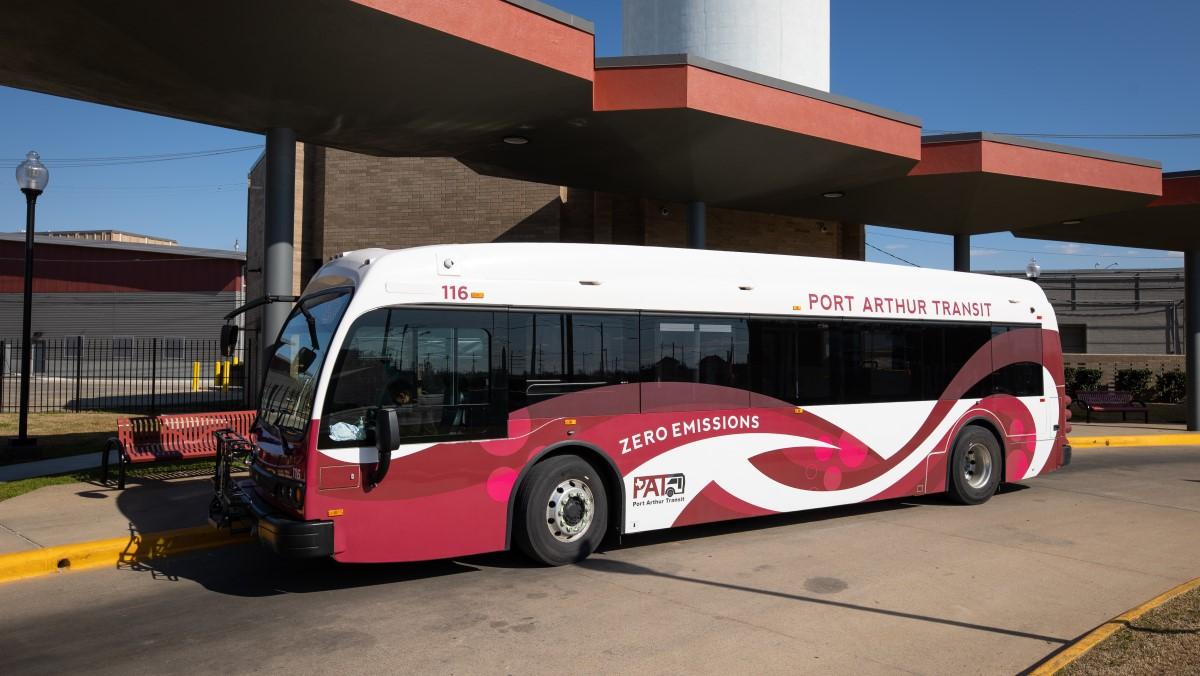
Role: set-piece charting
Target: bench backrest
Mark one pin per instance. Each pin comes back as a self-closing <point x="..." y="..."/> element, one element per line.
<point x="1105" y="397"/>
<point x="192" y="431"/>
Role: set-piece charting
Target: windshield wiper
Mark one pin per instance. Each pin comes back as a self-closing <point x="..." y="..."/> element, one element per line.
<point x="312" y="327"/>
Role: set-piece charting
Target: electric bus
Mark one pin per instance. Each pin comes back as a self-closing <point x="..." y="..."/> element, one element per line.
<point x="450" y="400"/>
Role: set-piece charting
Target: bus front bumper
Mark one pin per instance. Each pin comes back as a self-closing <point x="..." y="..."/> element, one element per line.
<point x="288" y="537"/>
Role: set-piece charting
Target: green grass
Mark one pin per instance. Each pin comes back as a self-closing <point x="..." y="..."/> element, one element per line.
<point x="158" y="472"/>
<point x="60" y="434"/>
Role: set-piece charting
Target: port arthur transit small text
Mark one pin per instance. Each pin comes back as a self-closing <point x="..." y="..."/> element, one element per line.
<point x="926" y="307"/>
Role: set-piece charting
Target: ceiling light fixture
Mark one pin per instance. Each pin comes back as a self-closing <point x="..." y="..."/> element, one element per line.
<point x="1072" y="221"/>
<point x="516" y="140"/>
<point x="833" y="194"/>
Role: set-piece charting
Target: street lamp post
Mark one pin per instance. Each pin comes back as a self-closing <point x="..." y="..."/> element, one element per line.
<point x="32" y="177"/>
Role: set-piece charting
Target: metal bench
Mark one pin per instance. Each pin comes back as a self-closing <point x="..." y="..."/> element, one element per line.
<point x="187" y="436"/>
<point x="1104" y="401"/>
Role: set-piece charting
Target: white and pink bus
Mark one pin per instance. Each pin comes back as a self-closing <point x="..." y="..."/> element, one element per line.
<point x="450" y="400"/>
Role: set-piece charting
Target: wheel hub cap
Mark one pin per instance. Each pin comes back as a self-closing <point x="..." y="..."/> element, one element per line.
<point x="570" y="510"/>
<point x="977" y="466"/>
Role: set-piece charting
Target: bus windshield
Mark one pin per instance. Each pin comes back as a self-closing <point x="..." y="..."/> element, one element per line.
<point x="294" y="365"/>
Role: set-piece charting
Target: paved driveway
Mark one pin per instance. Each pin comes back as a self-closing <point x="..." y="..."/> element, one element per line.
<point x="907" y="586"/>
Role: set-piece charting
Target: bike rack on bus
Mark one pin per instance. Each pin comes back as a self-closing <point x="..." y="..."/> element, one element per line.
<point x="228" y="508"/>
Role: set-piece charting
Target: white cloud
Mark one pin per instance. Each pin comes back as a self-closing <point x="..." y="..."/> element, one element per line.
<point x="984" y="252"/>
<point x="895" y="247"/>
<point x="1067" y="248"/>
<point x="1175" y="254"/>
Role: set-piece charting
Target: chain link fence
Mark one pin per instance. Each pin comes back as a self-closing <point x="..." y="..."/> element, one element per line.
<point x="142" y="375"/>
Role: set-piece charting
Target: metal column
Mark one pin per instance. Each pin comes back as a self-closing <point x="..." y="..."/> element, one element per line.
<point x="278" y="234"/>
<point x="962" y="253"/>
<point x="1191" y="299"/>
<point x="697" y="220"/>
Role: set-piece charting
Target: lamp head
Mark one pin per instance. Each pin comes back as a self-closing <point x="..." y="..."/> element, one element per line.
<point x="32" y="174"/>
<point x="1033" y="270"/>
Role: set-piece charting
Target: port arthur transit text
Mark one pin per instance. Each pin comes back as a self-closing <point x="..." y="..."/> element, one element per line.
<point x="905" y="306"/>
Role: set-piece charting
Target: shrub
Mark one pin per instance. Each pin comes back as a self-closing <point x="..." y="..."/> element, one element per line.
<point x="1084" y="379"/>
<point x="1136" y="381"/>
<point x="1171" y="386"/>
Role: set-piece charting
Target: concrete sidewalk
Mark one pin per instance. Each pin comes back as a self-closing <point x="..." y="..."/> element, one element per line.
<point x="70" y="463"/>
<point x="82" y="512"/>
<point x="1080" y="429"/>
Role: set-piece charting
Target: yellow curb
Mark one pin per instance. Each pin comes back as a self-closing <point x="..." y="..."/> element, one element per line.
<point x="1096" y="636"/>
<point x="1181" y="439"/>
<point x="135" y="548"/>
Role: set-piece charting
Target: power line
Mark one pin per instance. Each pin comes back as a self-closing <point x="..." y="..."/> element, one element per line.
<point x="888" y="253"/>
<point x="79" y="162"/>
<point x="1031" y="251"/>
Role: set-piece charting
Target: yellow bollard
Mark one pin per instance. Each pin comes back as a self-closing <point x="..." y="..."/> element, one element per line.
<point x="225" y="376"/>
<point x="195" y="376"/>
<point x="235" y="361"/>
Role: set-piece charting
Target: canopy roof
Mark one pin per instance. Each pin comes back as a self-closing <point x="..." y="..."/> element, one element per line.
<point x="512" y="88"/>
<point x="1169" y="222"/>
<point x="983" y="182"/>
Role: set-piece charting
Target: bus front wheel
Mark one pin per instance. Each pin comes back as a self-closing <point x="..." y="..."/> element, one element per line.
<point x="975" y="466"/>
<point x="562" y="511"/>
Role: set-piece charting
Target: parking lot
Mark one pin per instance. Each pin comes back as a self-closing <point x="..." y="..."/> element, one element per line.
<point x="903" y="586"/>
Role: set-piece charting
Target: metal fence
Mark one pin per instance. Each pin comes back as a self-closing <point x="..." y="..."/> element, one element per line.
<point x="149" y="375"/>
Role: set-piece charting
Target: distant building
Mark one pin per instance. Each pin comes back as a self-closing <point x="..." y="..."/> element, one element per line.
<point x="1116" y="312"/>
<point x="107" y="289"/>
<point x="111" y="236"/>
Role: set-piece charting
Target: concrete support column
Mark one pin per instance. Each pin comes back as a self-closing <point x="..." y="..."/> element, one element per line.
<point x="962" y="253"/>
<point x="697" y="220"/>
<point x="278" y="233"/>
<point x="1191" y="299"/>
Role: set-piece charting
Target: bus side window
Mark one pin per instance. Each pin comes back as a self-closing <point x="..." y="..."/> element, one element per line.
<point x="555" y="354"/>
<point x="790" y="362"/>
<point x="1023" y="378"/>
<point x="435" y="367"/>
<point x="700" y="351"/>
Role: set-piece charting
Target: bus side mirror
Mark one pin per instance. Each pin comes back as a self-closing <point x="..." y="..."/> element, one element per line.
<point x="229" y="339"/>
<point x="387" y="438"/>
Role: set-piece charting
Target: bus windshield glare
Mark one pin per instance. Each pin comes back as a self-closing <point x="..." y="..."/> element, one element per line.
<point x="295" y="364"/>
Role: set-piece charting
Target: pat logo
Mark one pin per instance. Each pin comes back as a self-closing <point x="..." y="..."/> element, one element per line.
<point x="658" y="485"/>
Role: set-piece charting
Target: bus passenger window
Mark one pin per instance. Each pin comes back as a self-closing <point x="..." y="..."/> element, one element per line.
<point x="789" y="362"/>
<point x="553" y="354"/>
<point x="712" y="351"/>
<point x="433" y="366"/>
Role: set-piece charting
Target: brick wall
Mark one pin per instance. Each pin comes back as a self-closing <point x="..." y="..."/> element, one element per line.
<point x="729" y="230"/>
<point x="405" y="202"/>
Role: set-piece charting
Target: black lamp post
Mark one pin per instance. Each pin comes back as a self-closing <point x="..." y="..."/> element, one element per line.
<point x="32" y="177"/>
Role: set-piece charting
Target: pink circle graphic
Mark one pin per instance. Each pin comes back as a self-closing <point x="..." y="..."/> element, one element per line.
<point x="833" y="478"/>
<point x="500" y="483"/>
<point x="852" y="453"/>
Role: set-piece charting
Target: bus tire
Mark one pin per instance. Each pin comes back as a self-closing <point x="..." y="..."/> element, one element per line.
<point x="975" y="466"/>
<point x="562" y="511"/>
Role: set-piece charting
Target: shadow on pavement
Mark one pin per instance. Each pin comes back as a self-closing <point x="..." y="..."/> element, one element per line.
<point x="602" y="565"/>
<point x="251" y="571"/>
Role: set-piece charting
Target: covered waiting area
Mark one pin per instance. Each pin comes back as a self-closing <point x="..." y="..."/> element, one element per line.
<point x="512" y="88"/>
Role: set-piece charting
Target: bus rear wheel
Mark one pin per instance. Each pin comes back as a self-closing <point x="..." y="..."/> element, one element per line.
<point x="562" y="511"/>
<point x="975" y="466"/>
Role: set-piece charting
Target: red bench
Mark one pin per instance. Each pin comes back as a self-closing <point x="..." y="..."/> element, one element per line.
<point x="1104" y="401"/>
<point x="186" y="436"/>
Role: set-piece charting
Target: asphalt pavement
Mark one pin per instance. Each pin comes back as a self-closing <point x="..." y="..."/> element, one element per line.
<point x="909" y="586"/>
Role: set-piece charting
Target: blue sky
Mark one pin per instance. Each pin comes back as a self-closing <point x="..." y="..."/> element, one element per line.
<point x="1024" y="66"/>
